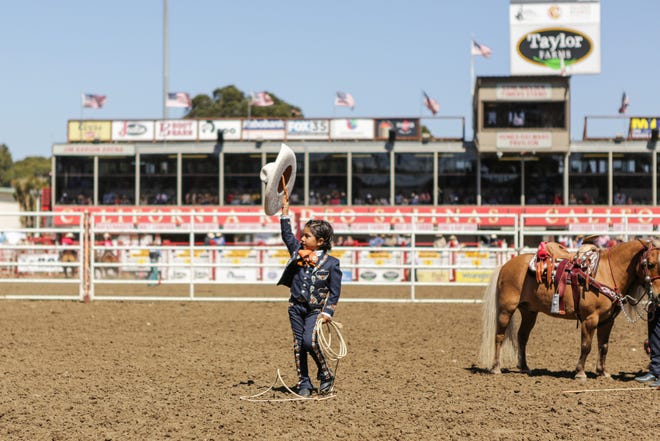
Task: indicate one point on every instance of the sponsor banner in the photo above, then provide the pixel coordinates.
(96, 131)
(307, 129)
(231, 218)
(546, 37)
(136, 260)
(208, 129)
(235, 258)
(425, 260)
(640, 127)
(183, 272)
(523, 140)
(176, 130)
(132, 130)
(274, 262)
(523, 92)
(389, 263)
(39, 263)
(258, 129)
(352, 128)
(94, 150)
(473, 276)
(475, 259)
(347, 259)
(404, 128)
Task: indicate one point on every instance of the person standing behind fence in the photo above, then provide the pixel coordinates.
(314, 279)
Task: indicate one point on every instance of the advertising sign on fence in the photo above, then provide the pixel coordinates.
(386, 266)
(427, 259)
(237, 268)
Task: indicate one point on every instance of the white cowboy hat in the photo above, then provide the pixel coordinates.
(271, 175)
(69, 235)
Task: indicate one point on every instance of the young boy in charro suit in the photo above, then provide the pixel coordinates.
(314, 278)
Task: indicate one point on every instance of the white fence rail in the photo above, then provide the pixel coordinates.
(175, 258)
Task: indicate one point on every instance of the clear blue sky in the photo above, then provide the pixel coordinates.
(383, 52)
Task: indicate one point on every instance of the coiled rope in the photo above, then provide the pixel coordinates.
(324, 331)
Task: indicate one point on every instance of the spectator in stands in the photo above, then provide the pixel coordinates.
(377, 240)
(68, 239)
(619, 198)
(453, 242)
(391, 240)
(349, 241)
(440, 241)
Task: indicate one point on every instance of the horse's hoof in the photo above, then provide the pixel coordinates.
(496, 371)
(581, 376)
(605, 375)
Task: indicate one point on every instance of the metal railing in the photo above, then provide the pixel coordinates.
(174, 258)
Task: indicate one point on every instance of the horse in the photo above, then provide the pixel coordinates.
(68, 257)
(107, 257)
(629, 267)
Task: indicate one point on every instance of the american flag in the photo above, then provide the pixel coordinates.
(261, 99)
(480, 49)
(178, 99)
(431, 104)
(345, 100)
(624, 103)
(93, 101)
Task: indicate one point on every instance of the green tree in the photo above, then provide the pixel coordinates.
(6, 163)
(32, 166)
(29, 176)
(231, 102)
(25, 190)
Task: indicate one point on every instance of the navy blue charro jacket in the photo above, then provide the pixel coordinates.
(315, 285)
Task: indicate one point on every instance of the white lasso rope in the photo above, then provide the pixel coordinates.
(324, 333)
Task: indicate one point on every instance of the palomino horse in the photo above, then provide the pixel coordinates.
(69, 257)
(107, 258)
(630, 267)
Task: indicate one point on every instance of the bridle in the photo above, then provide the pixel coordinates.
(644, 263)
(648, 281)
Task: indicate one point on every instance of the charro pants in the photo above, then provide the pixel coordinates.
(303, 319)
(654, 339)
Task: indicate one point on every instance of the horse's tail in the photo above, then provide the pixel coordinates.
(490, 312)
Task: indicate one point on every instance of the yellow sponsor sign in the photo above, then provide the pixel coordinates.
(90, 131)
(432, 275)
(473, 276)
(239, 253)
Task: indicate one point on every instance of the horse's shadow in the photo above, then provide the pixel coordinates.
(621, 376)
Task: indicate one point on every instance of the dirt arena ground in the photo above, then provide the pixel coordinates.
(176, 370)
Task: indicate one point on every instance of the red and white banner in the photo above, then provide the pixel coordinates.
(236, 218)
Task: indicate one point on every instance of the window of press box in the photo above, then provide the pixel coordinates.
(241, 178)
(524, 115)
(158, 175)
(200, 179)
(74, 182)
(117, 180)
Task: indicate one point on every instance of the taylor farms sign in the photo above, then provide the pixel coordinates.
(554, 48)
(554, 38)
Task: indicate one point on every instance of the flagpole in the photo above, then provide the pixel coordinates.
(334, 107)
(82, 109)
(471, 71)
(165, 60)
(421, 106)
